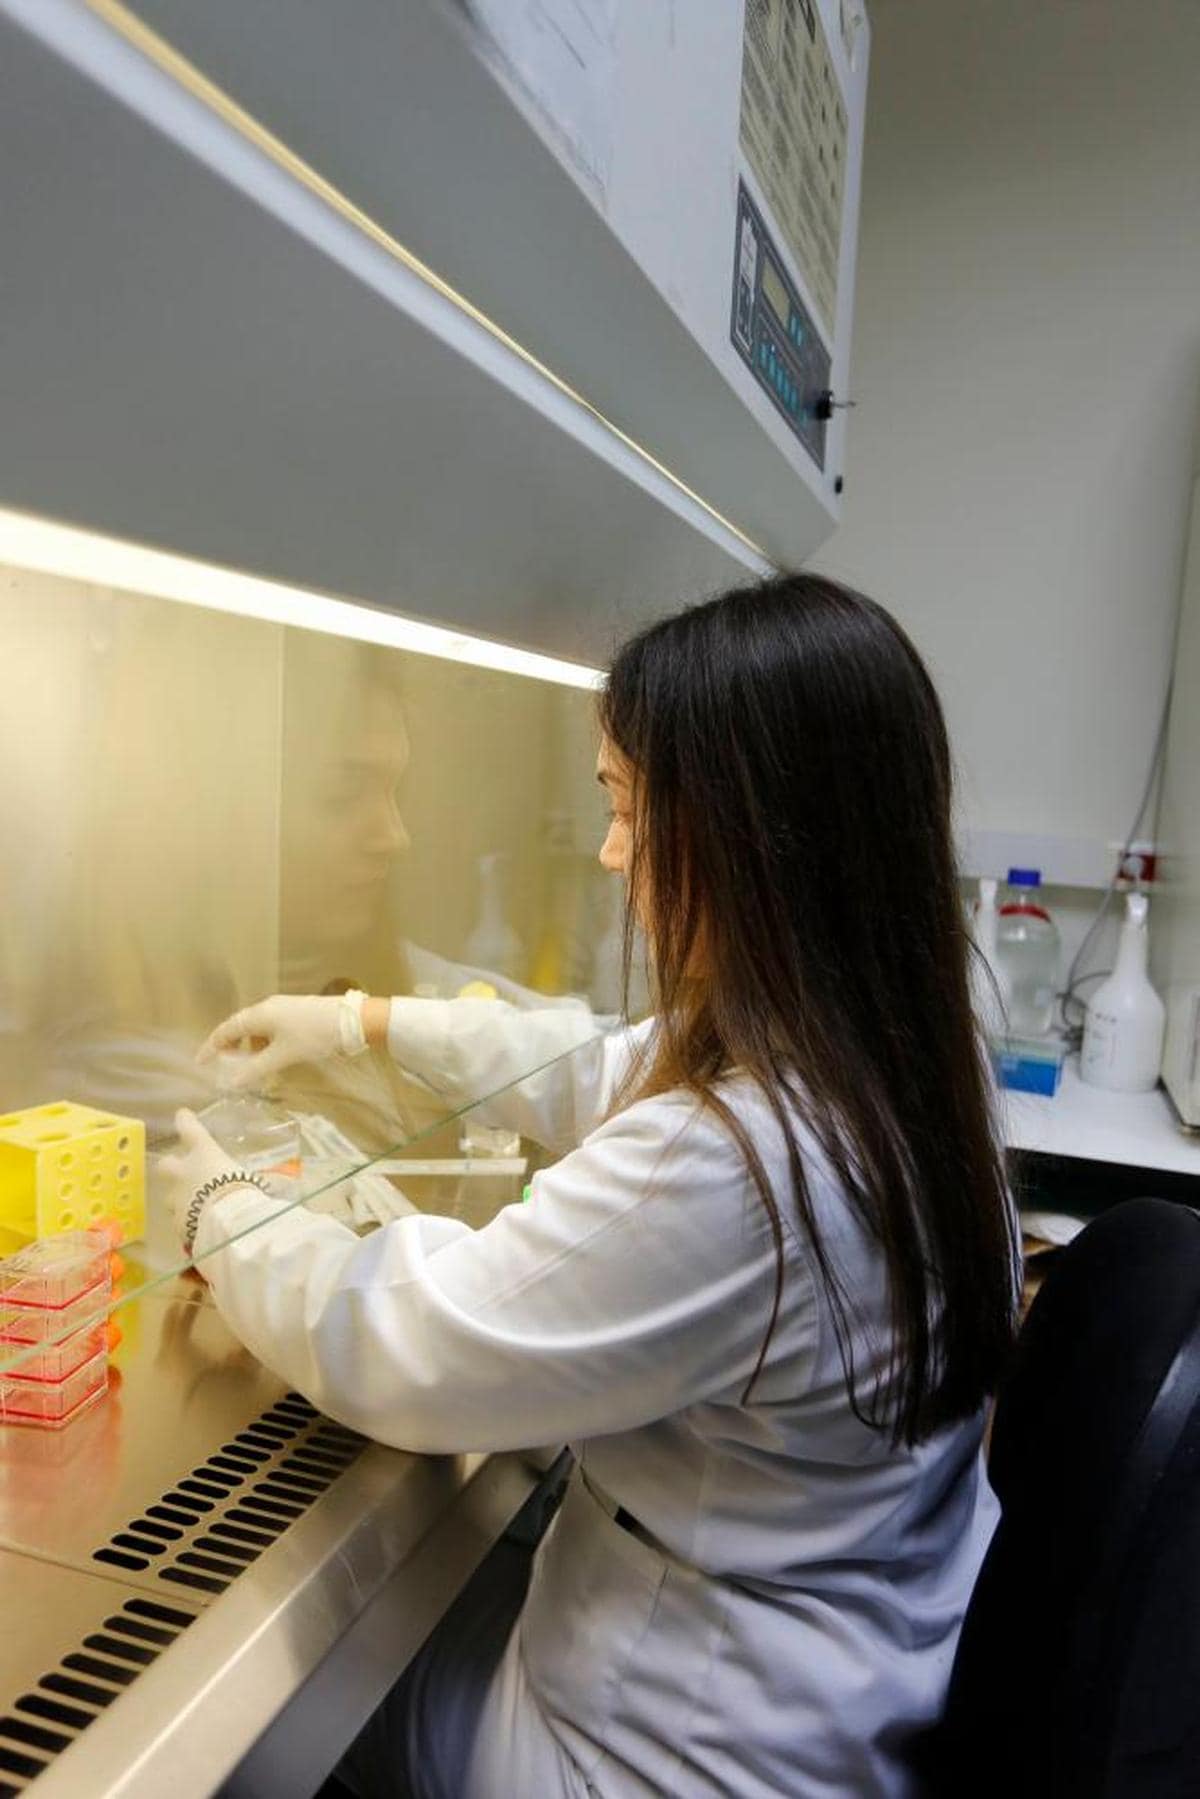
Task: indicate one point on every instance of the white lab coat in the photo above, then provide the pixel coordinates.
(787, 1612)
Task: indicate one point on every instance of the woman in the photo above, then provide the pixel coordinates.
(766, 1291)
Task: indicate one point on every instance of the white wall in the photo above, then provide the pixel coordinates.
(1026, 359)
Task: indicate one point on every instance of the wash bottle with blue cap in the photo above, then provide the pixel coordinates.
(1027, 952)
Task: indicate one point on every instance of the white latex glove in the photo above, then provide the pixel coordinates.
(286, 1029)
(198, 1160)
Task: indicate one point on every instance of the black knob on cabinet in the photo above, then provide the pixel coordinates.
(824, 406)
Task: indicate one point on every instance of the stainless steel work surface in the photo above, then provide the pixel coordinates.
(72, 1643)
(192, 1552)
(181, 1389)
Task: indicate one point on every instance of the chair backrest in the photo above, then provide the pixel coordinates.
(1078, 1670)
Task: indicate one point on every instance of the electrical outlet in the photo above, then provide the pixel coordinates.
(1138, 866)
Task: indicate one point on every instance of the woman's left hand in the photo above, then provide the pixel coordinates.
(198, 1160)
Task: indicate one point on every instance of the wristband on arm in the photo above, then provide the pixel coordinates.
(352, 1036)
(200, 1198)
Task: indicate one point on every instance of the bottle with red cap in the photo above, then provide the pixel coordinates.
(1027, 949)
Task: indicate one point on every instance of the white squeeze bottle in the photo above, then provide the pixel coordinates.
(1126, 1020)
(989, 994)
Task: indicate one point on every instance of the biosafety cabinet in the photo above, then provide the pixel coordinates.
(533, 318)
(367, 371)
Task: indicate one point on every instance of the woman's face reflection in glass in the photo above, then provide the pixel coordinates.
(346, 754)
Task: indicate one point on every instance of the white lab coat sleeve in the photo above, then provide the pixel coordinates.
(637, 1280)
(550, 1074)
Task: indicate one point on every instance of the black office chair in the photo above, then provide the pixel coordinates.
(1078, 1670)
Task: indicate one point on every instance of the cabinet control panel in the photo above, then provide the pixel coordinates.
(774, 333)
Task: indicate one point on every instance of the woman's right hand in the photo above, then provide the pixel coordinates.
(286, 1029)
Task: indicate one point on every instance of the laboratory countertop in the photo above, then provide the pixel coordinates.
(1135, 1130)
(203, 1576)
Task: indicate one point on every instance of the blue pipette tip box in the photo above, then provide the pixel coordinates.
(1029, 1064)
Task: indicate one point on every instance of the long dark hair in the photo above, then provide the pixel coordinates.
(792, 833)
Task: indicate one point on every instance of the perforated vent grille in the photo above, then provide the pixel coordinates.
(209, 1527)
(197, 1537)
(47, 1719)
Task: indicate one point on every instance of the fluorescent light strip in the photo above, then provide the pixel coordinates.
(53, 549)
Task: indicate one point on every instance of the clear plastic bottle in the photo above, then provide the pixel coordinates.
(493, 944)
(256, 1131)
(1027, 953)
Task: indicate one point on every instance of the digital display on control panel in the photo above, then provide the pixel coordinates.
(775, 291)
(773, 331)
